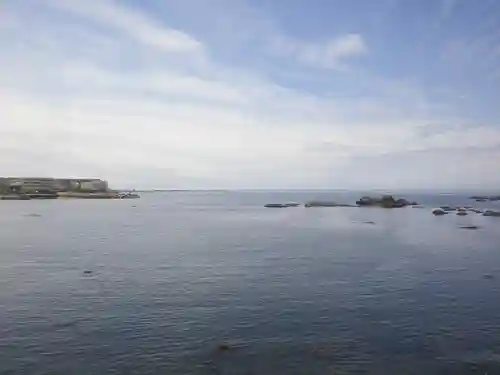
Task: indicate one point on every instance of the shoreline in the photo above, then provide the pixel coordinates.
(69, 195)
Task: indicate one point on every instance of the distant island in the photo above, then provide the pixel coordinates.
(26, 188)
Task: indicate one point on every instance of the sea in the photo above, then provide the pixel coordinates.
(211, 282)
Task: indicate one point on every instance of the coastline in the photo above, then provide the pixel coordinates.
(69, 195)
(80, 195)
(27, 188)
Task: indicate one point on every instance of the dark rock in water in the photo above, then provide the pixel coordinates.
(386, 201)
(127, 195)
(469, 227)
(488, 276)
(34, 215)
(282, 205)
(447, 208)
(462, 213)
(47, 195)
(439, 212)
(366, 201)
(67, 324)
(87, 272)
(491, 213)
(369, 222)
(275, 205)
(414, 204)
(223, 347)
(485, 198)
(326, 204)
(14, 197)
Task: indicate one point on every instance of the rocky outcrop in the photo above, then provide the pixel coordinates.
(485, 198)
(51, 195)
(81, 195)
(127, 195)
(276, 205)
(439, 212)
(471, 227)
(282, 205)
(14, 197)
(463, 211)
(386, 201)
(326, 204)
(447, 208)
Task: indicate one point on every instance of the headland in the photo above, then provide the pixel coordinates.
(27, 188)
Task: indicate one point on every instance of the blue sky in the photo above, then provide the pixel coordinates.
(253, 93)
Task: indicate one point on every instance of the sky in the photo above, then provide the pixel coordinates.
(254, 94)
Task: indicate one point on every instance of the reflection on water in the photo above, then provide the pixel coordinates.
(104, 287)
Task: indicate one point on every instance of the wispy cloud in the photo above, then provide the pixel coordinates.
(143, 28)
(331, 54)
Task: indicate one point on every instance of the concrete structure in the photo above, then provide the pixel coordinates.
(93, 185)
(81, 184)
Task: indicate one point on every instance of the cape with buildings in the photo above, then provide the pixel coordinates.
(25, 188)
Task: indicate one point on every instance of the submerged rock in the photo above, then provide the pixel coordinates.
(485, 198)
(275, 205)
(14, 197)
(326, 204)
(282, 205)
(438, 212)
(447, 208)
(469, 227)
(491, 213)
(223, 347)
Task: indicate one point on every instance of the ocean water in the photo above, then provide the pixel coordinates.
(155, 285)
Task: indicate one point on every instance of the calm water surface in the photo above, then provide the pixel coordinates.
(293, 291)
